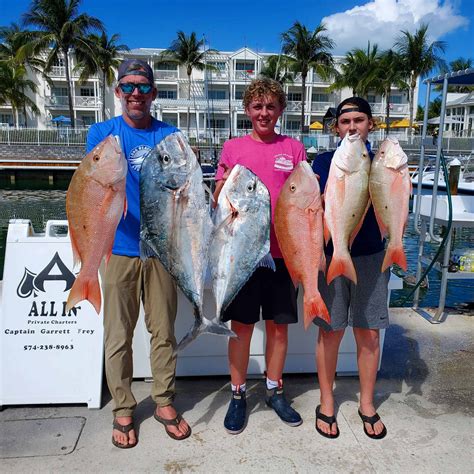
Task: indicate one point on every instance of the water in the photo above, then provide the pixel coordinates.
(41, 205)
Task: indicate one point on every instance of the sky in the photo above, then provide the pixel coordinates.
(258, 24)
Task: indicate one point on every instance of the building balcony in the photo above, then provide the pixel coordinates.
(78, 101)
(321, 106)
(60, 71)
(245, 75)
(199, 104)
(166, 75)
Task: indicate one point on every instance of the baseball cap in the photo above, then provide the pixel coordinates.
(135, 67)
(359, 105)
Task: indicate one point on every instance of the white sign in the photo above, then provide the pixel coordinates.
(48, 354)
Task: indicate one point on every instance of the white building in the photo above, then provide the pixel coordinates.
(460, 114)
(215, 103)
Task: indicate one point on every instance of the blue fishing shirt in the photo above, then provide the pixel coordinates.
(135, 143)
(369, 240)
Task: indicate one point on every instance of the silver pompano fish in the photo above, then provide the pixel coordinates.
(175, 222)
(390, 189)
(346, 202)
(241, 237)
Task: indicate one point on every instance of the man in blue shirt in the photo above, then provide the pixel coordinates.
(127, 280)
(362, 306)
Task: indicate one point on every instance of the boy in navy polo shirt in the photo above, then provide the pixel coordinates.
(362, 306)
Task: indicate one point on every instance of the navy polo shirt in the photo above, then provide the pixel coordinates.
(369, 240)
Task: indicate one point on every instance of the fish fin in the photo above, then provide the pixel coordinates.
(76, 258)
(204, 326)
(341, 265)
(224, 223)
(146, 251)
(382, 227)
(394, 254)
(326, 232)
(84, 289)
(267, 262)
(315, 308)
(359, 224)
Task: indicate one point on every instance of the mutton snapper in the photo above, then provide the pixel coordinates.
(346, 202)
(241, 236)
(299, 229)
(175, 224)
(95, 202)
(390, 189)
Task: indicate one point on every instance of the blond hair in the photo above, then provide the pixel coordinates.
(261, 87)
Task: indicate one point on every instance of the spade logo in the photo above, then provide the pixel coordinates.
(33, 283)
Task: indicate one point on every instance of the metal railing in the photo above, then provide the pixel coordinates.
(33, 136)
(78, 101)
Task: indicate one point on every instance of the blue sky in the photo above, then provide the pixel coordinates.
(258, 24)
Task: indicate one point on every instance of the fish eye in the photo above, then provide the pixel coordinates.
(96, 157)
(250, 186)
(292, 187)
(166, 159)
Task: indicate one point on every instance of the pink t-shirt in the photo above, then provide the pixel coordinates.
(271, 162)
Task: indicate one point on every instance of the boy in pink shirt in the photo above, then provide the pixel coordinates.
(272, 158)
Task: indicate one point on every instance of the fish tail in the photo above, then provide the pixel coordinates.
(85, 289)
(315, 308)
(204, 326)
(394, 254)
(341, 265)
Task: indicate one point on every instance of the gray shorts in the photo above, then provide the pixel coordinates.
(363, 305)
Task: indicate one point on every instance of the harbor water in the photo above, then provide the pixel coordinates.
(41, 205)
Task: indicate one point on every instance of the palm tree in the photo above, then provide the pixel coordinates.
(359, 71)
(419, 57)
(389, 72)
(104, 60)
(189, 52)
(62, 29)
(308, 49)
(278, 67)
(13, 83)
(12, 38)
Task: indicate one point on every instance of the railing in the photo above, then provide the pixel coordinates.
(321, 106)
(60, 71)
(244, 75)
(68, 136)
(78, 101)
(166, 75)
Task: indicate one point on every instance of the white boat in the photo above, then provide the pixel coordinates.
(465, 183)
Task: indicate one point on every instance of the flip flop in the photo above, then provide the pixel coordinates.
(124, 429)
(330, 420)
(173, 422)
(371, 420)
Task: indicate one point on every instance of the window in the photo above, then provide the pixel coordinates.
(294, 96)
(86, 92)
(170, 119)
(293, 125)
(87, 120)
(371, 99)
(167, 94)
(59, 92)
(217, 123)
(318, 97)
(221, 66)
(448, 112)
(395, 99)
(166, 66)
(239, 95)
(6, 118)
(58, 61)
(244, 124)
(471, 110)
(245, 66)
(216, 94)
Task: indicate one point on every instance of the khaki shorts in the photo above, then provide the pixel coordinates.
(363, 305)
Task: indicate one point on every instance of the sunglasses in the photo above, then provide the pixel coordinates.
(129, 87)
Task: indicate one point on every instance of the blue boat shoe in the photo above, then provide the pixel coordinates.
(234, 421)
(276, 399)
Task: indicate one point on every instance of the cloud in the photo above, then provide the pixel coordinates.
(381, 21)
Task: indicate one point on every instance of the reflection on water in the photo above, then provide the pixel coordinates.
(39, 206)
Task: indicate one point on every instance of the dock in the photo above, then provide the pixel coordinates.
(424, 395)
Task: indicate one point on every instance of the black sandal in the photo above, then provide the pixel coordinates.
(172, 422)
(371, 420)
(330, 420)
(124, 429)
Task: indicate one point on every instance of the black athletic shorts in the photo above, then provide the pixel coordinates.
(271, 291)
